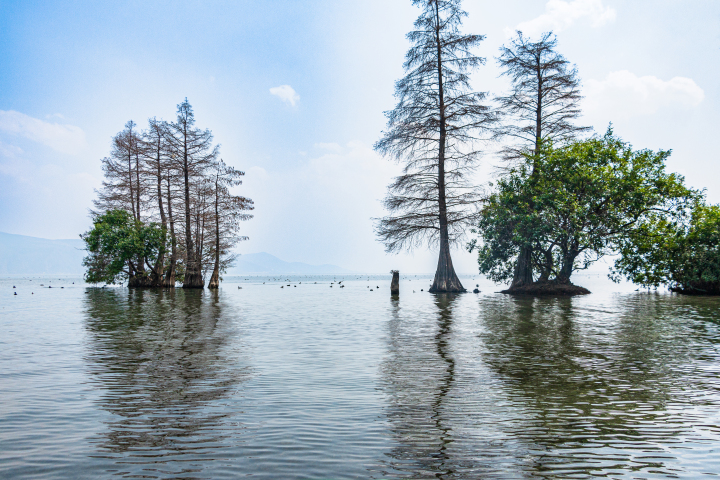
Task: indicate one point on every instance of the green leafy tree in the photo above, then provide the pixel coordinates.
(116, 246)
(682, 252)
(591, 195)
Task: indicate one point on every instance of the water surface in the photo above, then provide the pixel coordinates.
(316, 381)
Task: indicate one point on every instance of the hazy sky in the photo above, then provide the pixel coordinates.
(295, 93)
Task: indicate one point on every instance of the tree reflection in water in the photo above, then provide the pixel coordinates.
(417, 377)
(163, 360)
(503, 387)
(601, 390)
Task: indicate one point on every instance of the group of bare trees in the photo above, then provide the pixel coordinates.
(171, 175)
(440, 124)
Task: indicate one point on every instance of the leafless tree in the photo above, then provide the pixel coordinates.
(433, 130)
(157, 159)
(195, 154)
(539, 109)
(228, 211)
(124, 186)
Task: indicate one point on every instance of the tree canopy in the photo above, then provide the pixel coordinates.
(591, 196)
(681, 251)
(116, 243)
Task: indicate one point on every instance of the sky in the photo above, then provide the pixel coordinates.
(295, 93)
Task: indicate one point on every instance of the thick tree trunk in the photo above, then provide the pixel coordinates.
(523, 268)
(445, 278)
(446, 281)
(566, 270)
(215, 278)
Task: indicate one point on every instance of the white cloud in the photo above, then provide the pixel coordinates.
(63, 138)
(9, 151)
(286, 93)
(560, 15)
(332, 147)
(624, 94)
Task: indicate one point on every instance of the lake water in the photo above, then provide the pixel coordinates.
(315, 381)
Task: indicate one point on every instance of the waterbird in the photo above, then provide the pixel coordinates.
(15, 293)
(476, 291)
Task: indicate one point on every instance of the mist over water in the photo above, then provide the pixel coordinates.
(317, 381)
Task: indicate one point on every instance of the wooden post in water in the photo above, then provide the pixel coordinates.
(395, 284)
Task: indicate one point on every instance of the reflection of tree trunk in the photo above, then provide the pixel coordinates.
(418, 378)
(441, 338)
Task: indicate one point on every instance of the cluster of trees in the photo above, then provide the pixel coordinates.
(563, 199)
(165, 212)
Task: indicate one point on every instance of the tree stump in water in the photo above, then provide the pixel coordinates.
(395, 284)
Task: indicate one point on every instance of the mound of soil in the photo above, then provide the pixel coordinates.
(547, 289)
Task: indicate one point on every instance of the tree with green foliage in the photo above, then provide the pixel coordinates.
(117, 245)
(591, 195)
(682, 252)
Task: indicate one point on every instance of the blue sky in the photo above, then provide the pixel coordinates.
(74, 72)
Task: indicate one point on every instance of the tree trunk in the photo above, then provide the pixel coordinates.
(170, 272)
(395, 284)
(566, 270)
(215, 278)
(158, 272)
(523, 268)
(193, 274)
(445, 278)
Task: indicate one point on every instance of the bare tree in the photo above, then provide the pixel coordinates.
(433, 130)
(157, 160)
(124, 187)
(540, 109)
(194, 153)
(228, 212)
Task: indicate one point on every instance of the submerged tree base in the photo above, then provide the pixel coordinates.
(706, 289)
(547, 288)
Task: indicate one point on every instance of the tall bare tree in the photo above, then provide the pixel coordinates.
(157, 160)
(124, 186)
(228, 211)
(433, 130)
(539, 109)
(194, 153)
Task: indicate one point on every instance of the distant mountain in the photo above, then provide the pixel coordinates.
(266, 264)
(23, 255)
